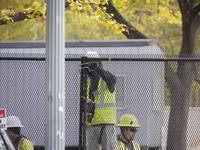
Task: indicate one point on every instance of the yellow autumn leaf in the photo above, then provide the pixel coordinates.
(118, 31)
(35, 4)
(30, 16)
(44, 27)
(114, 1)
(103, 3)
(148, 1)
(6, 18)
(8, 21)
(5, 11)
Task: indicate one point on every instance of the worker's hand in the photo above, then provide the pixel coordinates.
(92, 67)
(84, 65)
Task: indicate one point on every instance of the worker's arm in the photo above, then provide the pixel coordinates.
(108, 77)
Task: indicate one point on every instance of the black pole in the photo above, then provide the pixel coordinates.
(83, 99)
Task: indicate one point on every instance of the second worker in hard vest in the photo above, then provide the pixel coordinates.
(101, 119)
(19, 141)
(128, 125)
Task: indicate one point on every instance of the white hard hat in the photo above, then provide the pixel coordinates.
(13, 121)
(92, 54)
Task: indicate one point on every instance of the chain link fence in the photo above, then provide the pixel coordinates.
(141, 90)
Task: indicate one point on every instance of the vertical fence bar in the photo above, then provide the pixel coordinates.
(83, 99)
(55, 81)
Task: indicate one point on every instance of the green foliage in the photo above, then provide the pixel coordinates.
(78, 27)
(157, 19)
(6, 17)
(93, 11)
(160, 20)
(37, 10)
(26, 30)
(18, 5)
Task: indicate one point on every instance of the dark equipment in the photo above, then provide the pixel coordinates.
(90, 110)
(83, 104)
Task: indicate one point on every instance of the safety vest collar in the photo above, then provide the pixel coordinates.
(21, 143)
(121, 146)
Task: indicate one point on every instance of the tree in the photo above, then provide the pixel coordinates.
(181, 81)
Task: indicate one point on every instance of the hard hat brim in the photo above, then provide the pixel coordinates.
(18, 126)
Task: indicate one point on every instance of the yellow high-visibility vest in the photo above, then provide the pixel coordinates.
(105, 110)
(25, 144)
(121, 146)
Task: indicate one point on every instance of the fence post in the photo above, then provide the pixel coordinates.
(55, 76)
(83, 99)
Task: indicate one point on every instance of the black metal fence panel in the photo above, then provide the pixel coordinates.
(140, 90)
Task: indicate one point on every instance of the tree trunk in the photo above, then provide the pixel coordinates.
(181, 90)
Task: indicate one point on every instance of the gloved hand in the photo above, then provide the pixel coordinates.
(85, 65)
(92, 66)
(90, 110)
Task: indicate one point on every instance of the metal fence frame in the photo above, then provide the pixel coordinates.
(164, 59)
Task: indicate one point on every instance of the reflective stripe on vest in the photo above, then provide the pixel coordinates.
(121, 146)
(102, 103)
(21, 143)
(136, 145)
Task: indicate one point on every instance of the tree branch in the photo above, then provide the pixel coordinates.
(192, 3)
(19, 16)
(131, 33)
(195, 11)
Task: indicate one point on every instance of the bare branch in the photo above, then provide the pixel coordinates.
(131, 33)
(192, 3)
(195, 11)
(19, 16)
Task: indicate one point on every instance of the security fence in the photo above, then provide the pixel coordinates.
(141, 90)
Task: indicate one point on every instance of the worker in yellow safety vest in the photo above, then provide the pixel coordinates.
(128, 125)
(19, 141)
(101, 110)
